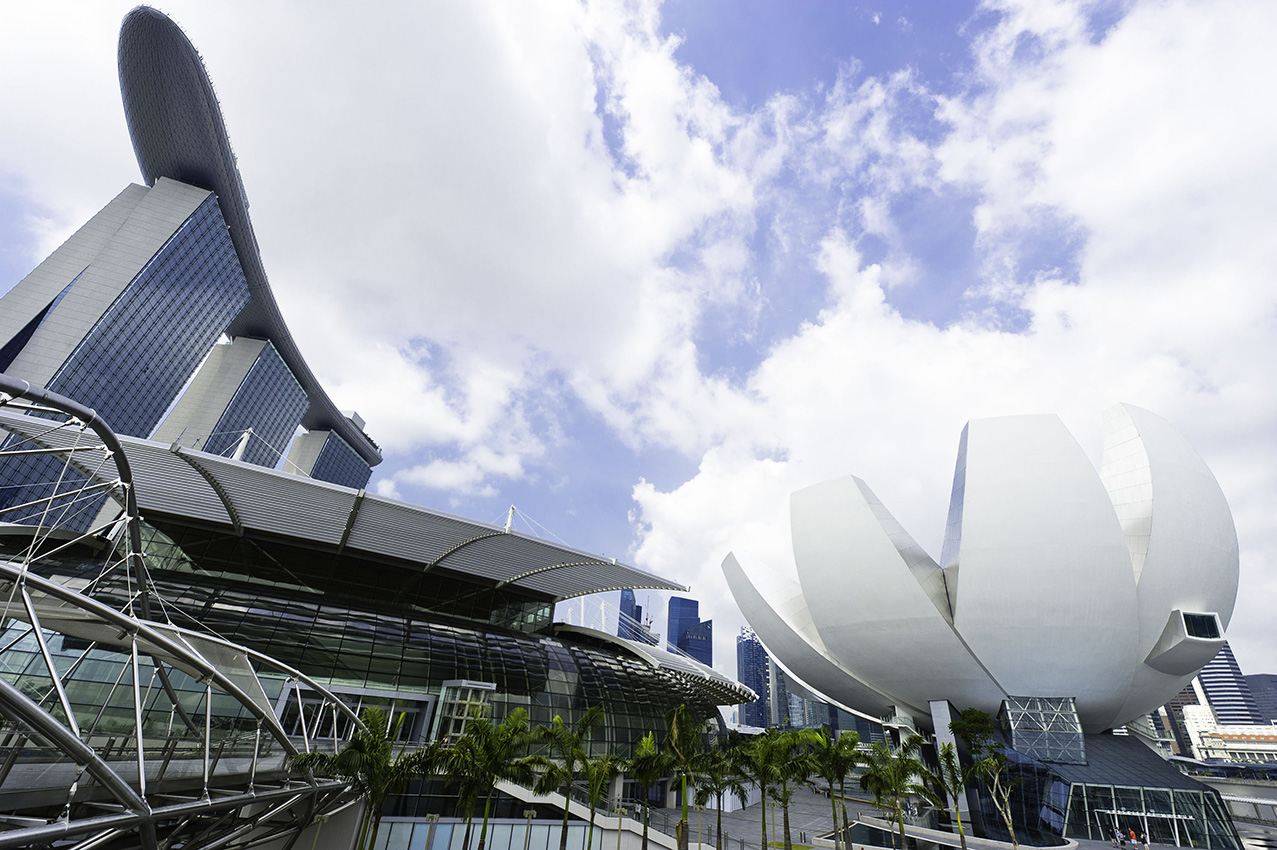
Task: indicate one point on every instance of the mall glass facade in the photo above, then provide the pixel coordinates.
(1122, 785)
(364, 626)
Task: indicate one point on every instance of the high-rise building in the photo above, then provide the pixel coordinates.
(686, 632)
(630, 624)
(698, 641)
(1172, 716)
(752, 670)
(157, 313)
(1227, 692)
(629, 613)
(1263, 687)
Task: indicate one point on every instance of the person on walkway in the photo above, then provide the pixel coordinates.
(1144, 838)
(1135, 842)
(1121, 836)
(1113, 837)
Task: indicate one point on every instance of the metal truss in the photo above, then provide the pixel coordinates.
(1045, 728)
(117, 727)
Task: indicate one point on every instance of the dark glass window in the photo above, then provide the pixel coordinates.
(271, 402)
(338, 463)
(135, 360)
(1201, 626)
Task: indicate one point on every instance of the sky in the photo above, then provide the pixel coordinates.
(643, 269)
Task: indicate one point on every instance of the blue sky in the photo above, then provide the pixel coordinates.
(643, 269)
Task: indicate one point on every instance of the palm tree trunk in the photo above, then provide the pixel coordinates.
(563, 834)
(646, 812)
(762, 808)
(718, 841)
(833, 806)
(842, 792)
(784, 807)
(483, 833)
(957, 814)
(683, 836)
(465, 841)
(376, 825)
(589, 835)
(900, 819)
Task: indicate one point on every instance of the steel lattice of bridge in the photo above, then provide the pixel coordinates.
(117, 727)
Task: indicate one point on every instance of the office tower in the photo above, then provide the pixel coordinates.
(1263, 687)
(752, 670)
(1172, 716)
(687, 633)
(778, 697)
(1227, 692)
(629, 613)
(697, 640)
(630, 624)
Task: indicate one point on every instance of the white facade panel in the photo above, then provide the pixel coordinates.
(803, 659)
(1180, 533)
(867, 602)
(1047, 598)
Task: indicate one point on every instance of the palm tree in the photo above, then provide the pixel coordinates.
(835, 758)
(683, 743)
(599, 773)
(567, 760)
(793, 764)
(716, 776)
(890, 777)
(487, 753)
(953, 777)
(756, 762)
(369, 762)
(647, 767)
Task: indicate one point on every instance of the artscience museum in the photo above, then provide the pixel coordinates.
(1066, 602)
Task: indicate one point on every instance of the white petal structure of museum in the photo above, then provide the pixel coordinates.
(1112, 589)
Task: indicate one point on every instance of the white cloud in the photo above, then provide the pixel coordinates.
(1150, 143)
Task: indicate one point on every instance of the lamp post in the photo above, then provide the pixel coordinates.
(433, 820)
(527, 834)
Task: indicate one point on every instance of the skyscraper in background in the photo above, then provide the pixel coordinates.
(630, 614)
(685, 631)
(630, 624)
(1227, 692)
(1263, 687)
(752, 670)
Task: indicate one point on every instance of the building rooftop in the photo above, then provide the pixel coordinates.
(177, 129)
(176, 481)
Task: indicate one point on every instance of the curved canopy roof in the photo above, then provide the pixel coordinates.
(175, 481)
(725, 690)
(177, 130)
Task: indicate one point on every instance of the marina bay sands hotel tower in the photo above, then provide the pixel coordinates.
(157, 312)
